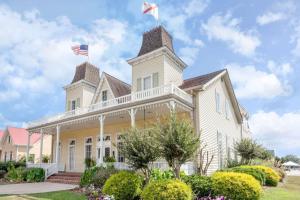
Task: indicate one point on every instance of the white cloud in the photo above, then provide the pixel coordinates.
(279, 69)
(279, 11)
(189, 54)
(5, 122)
(270, 17)
(226, 29)
(279, 132)
(35, 54)
(252, 83)
(195, 7)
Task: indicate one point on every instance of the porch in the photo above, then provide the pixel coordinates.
(94, 132)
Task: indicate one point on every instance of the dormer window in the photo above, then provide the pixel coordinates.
(104, 95)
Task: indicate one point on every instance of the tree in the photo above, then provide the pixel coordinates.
(264, 154)
(204, 157)
(177, 141)
(291, 157)
(140, 149)
(248, 149)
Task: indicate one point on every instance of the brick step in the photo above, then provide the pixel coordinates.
(74, 174)
(73, 182)
(65, 177)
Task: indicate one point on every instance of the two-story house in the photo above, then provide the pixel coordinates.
(99, 107)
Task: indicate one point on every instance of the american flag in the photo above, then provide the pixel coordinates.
(81, 49)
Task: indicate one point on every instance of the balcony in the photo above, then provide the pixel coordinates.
(135, 97)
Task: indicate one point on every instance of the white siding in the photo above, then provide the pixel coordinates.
(173, 74)
(211, 122)
(104, 86)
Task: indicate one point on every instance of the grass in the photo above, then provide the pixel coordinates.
(288, 190)
(61, 195)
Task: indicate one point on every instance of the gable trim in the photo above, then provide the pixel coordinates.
(98, 91)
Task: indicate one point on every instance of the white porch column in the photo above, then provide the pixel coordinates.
(57, 145)
(101, 120)
(27, 150)
(132, 113)
(41, 145)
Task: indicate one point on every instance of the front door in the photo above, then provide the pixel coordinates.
(72, 155)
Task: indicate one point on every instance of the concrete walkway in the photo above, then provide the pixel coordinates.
(31, 188)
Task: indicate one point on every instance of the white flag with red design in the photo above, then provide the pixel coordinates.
(151, 9)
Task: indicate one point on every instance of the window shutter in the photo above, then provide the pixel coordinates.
(78, 103)
(139, 84)
(155, 79)
(69, 106)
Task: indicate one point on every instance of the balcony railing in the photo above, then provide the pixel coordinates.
(130, 98)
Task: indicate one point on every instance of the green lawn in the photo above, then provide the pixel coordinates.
(62, 195)
(288, 190)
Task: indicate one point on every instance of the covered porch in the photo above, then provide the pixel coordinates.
(97, 136)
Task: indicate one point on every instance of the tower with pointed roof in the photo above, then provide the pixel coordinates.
(83, 86)
(156, 63)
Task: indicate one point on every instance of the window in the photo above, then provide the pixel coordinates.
(139, 84)
(220, 150)
(218, 102)
(106, 152)
(78, 103)
(147, 83)
(120, 156)
(5, 156)
(104, 95)
(155, 79)
(88, 147)
(73, 105)
(11, 156)
(227, 109)
(9, 139)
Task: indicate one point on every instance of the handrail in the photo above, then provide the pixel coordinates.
(49, 168)
(133, 97)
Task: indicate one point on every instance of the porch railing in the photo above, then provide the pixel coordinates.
(50, 168)
(133, 97)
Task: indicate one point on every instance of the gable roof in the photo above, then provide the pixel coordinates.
(155, 39)
(200, 80)
(88, 72)
(19, 136)
(118, 87)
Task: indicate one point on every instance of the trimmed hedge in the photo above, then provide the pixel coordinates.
(272, 177)
(236, 186)
(258, 174)
(201, 185)
(123, 186)
(167, 190)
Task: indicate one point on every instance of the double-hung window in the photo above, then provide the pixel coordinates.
(147, 83)
(227, 109)
(88, 147)
(104, 95)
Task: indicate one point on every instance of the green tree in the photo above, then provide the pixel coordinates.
(140, 149)
(264, 154)
(248, 149)
(177, 141)
(291, 157)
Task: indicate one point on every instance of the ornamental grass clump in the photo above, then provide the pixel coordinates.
(167, 190)
(236, 186)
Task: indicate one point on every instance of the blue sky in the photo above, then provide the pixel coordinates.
(259, 43)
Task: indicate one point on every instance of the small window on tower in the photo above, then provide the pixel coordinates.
(155, 79)
(73, 105)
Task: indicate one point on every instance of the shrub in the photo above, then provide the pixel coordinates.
(272, 177)
(89, 162)
(96, 176)
(5, 165)
(101, 175)
(258, 174)
(16, 174)
(233, 163)
(109, 159)
(166, 190)
(237, 186)
(157, 174)
(35, 175)
(123, 186)
(201, 185)
(45, 158)
(2, 173)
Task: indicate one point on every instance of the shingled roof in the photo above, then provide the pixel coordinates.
(200, 80)
(155, 39)
(118, 87)
(88, 72)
